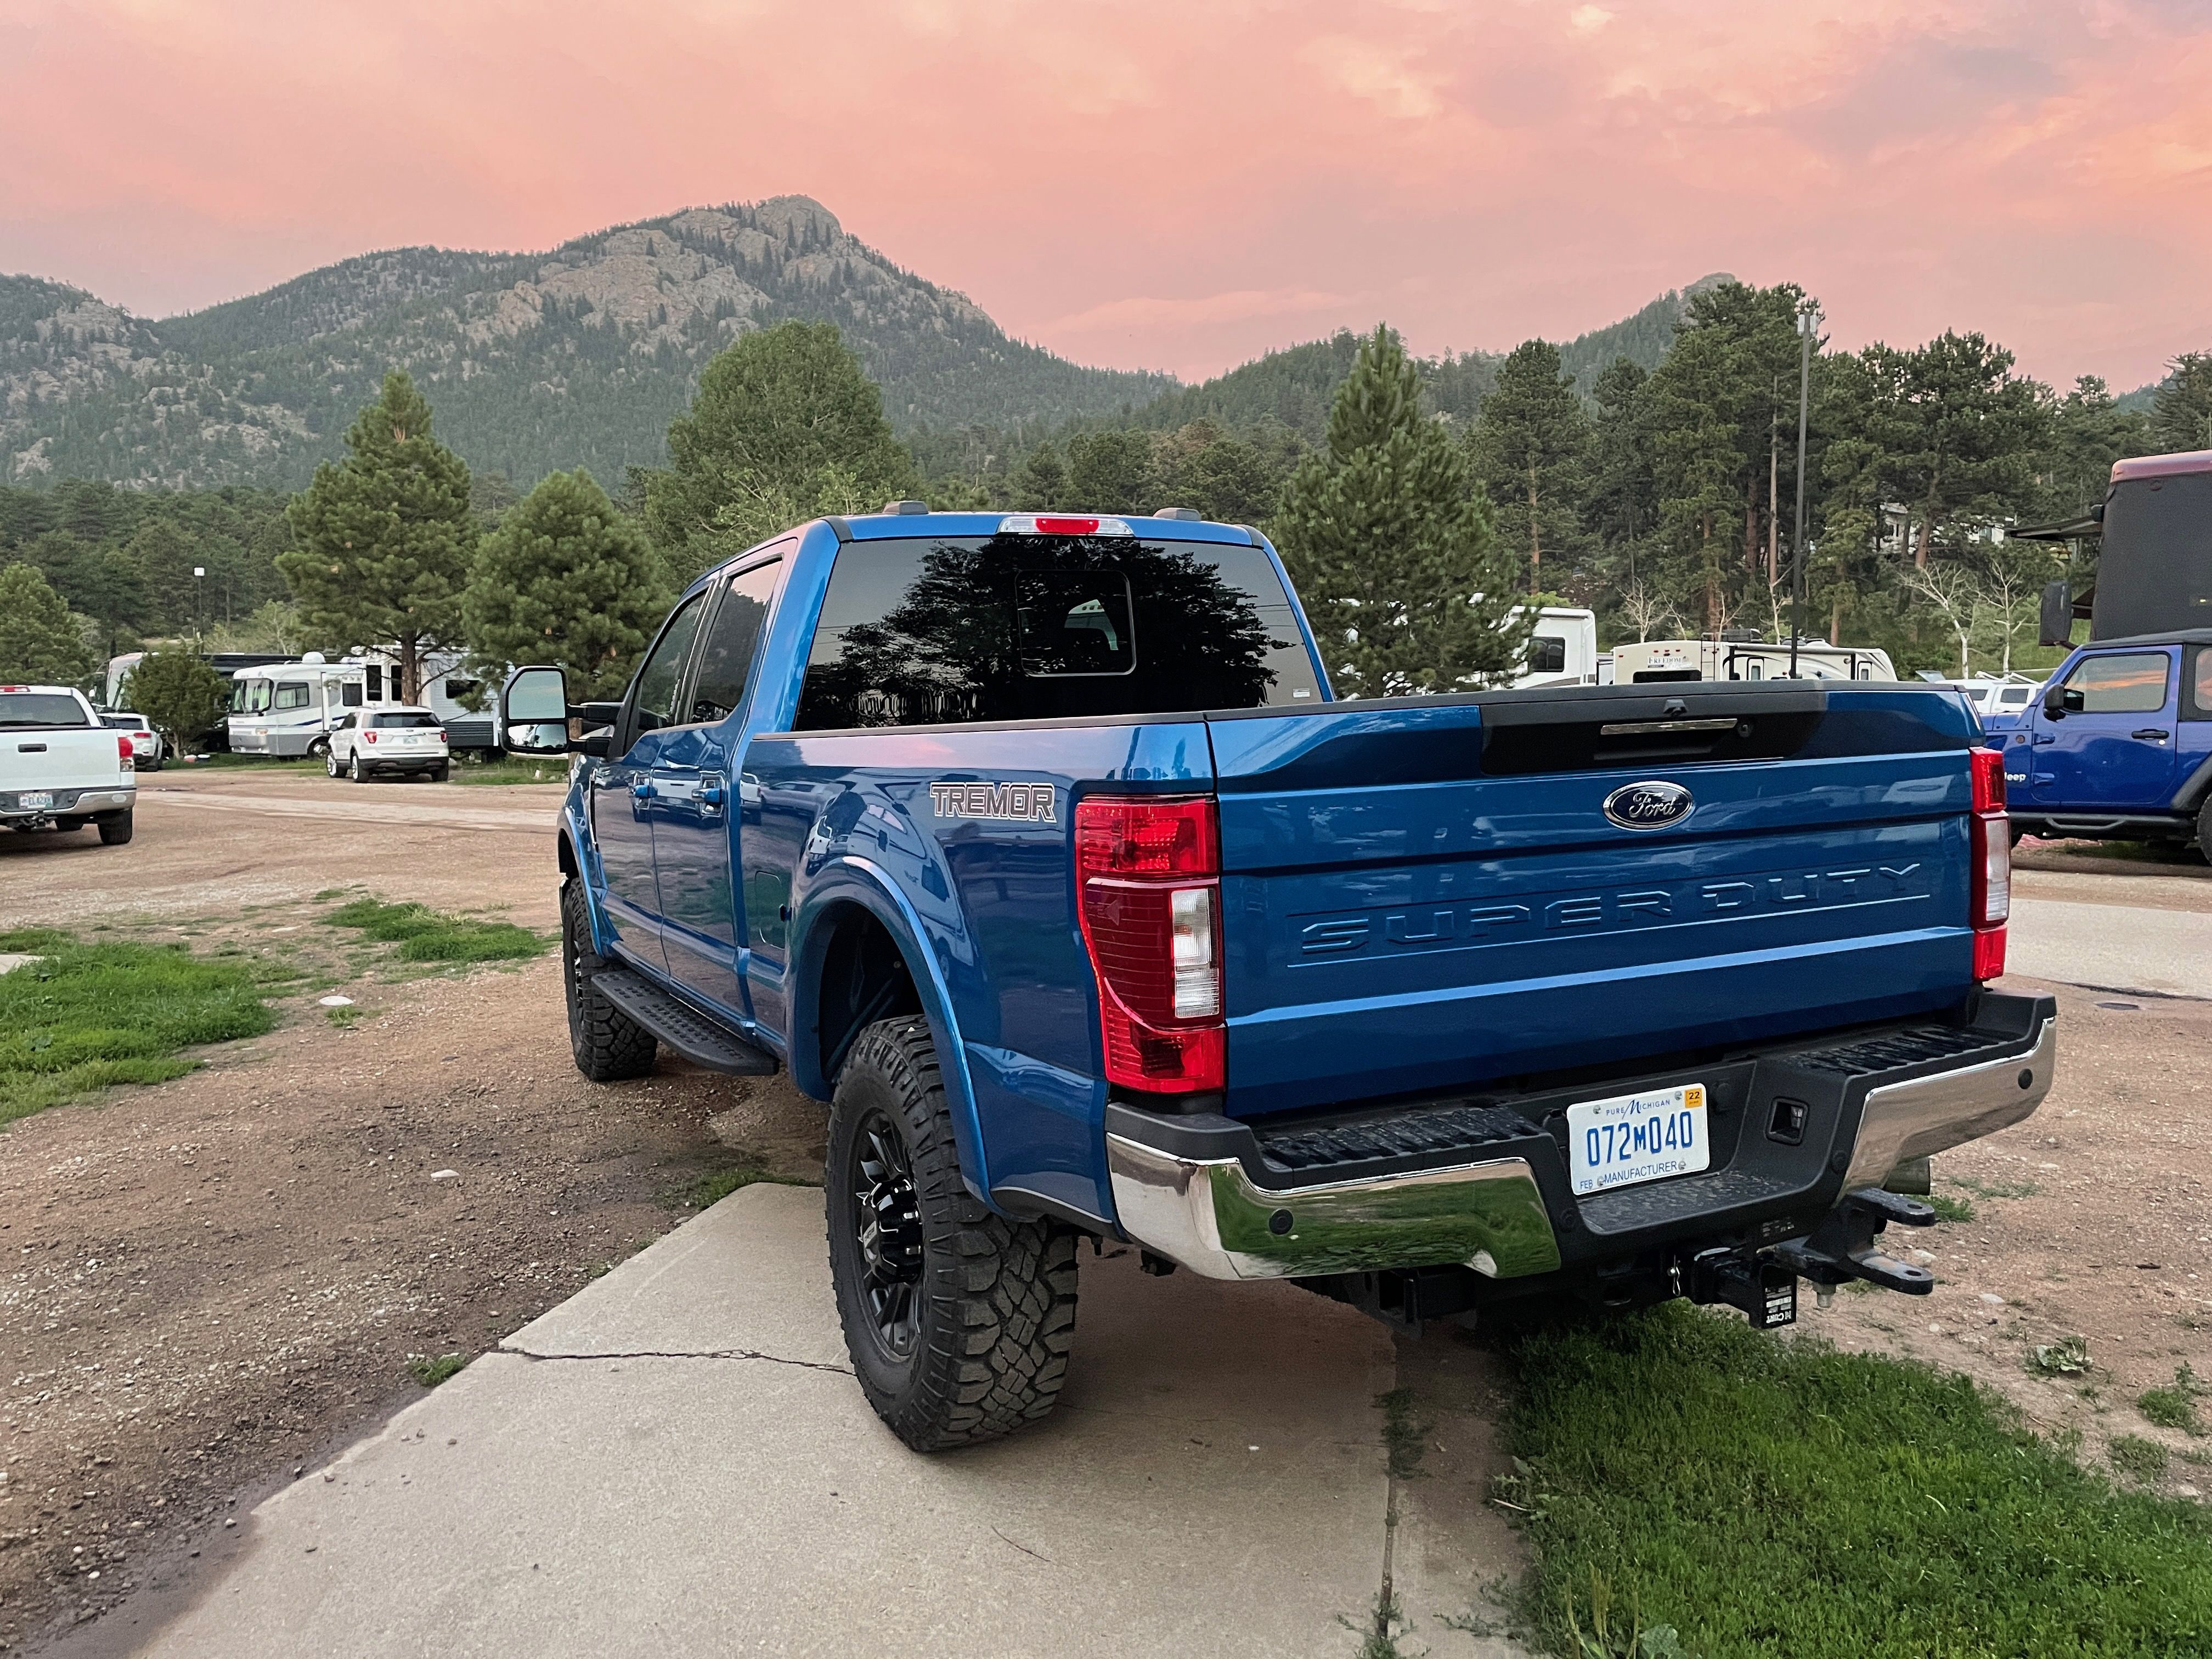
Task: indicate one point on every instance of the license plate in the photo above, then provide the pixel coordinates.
(32, 801)
(1633, 1138)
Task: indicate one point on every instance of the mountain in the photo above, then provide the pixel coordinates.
(534, 361)
(1642, 337)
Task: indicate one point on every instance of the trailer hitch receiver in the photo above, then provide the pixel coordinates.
(1843, 1247)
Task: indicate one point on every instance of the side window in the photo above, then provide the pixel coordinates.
(376, 682)
(2198, 679)
(2124, 682)
(1547, 654)
(733, 639)
(292, 696)
(653, 699)
(349, 694)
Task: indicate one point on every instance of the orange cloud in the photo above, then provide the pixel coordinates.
(1173, 184)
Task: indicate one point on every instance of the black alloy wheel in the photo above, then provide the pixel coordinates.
(887, 1227)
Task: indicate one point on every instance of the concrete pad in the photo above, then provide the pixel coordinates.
(1212, 1482)
(2116, 947)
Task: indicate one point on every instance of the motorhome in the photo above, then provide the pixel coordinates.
(1745, 657)
(1563, 649)
(287, 710)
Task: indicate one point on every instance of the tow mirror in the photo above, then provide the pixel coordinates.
(2057, 617)
(533, 712)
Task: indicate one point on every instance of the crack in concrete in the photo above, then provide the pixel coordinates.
(691, 1353)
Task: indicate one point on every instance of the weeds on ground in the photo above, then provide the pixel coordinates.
(1950, 1209)
(1760, 1496)
(426, 935)
(2138, 1458)
(1378, 1634)
(87, 1015)
(510, 769)
(1995, 1188)
(2175, 1407)
(713, 1188)
(1405, 1439)
(431, 1369)
(2067, 1357)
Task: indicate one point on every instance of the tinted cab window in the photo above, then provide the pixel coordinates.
(2123, 683)
(947, 630)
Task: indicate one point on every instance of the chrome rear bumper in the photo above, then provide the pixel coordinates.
(1218, 1213)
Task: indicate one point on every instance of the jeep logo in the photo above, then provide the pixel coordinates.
(1649, 805)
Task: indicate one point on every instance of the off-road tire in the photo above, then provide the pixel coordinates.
(2204, 830)
(114, 832)
(994, 1303)
(608, 1044)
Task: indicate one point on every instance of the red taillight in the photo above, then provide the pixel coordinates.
(1990, 839)
(142, 737)
(1155, 938)
(368, 737)
(123, 750)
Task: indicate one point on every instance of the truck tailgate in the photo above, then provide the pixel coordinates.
(1424, 895)
(51, 757)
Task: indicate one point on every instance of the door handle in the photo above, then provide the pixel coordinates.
(2042, 737)
(710, 794)
(643, 791)
(2149, 734)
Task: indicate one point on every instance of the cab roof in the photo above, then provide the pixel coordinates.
(893, 527)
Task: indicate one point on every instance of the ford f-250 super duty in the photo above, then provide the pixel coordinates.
(1038, 847)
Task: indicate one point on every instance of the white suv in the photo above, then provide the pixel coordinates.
(407, 741)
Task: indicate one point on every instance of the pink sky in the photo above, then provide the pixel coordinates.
(1169, 183)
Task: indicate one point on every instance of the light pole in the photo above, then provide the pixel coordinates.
(1808, 325)
(199, 604)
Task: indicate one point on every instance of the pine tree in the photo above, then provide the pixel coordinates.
(785, 426)
(1531, 451)
(181, 696)
(2181, 411)
(41, 643)
(1041, 481)
(384, 537)
(566, 579)
(1390, 544)
(1111, 472)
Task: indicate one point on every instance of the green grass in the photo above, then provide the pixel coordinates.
(91, 1015)
(431, 1369)
(2136, 1458)
(1784, 1500)
(2067, 1357)
(223, 760)
(426, 935)
(1950, 1209)
(713, 1188)
(2175, 1407)
(512, 769)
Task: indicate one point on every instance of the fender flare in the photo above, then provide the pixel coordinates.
(851, 880)
(570, 844)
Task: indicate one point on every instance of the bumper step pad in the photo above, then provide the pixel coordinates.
(700, 1039)
(1436, 1132)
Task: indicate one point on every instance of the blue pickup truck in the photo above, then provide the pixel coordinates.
(2120, 745)
(1038, 849)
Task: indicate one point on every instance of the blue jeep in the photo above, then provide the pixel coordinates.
(2120, 747)
(1038, 849)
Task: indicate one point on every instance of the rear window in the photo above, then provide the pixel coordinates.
(404, 722)
(948, 631)
(41, 709)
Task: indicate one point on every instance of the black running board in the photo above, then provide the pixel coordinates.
(699, 1038)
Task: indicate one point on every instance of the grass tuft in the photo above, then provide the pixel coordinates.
(2067, 1357)
(1405, 1437)
(1762, 1497)
(2175, 1407)
(89, 1016)
(1950, 1209)
(712, 1189)
(426, 935)
(431, 1369)
(2138, 1458)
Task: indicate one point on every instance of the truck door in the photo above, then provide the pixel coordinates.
(2113, 747)
(621, 788)
(694, 786)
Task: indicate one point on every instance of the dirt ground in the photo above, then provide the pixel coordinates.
(202, 1283)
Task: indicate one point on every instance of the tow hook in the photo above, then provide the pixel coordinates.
(1842, 1247)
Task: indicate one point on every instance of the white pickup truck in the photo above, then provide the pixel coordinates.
(60, 768)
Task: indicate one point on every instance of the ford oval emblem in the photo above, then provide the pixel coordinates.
(1652, 805)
